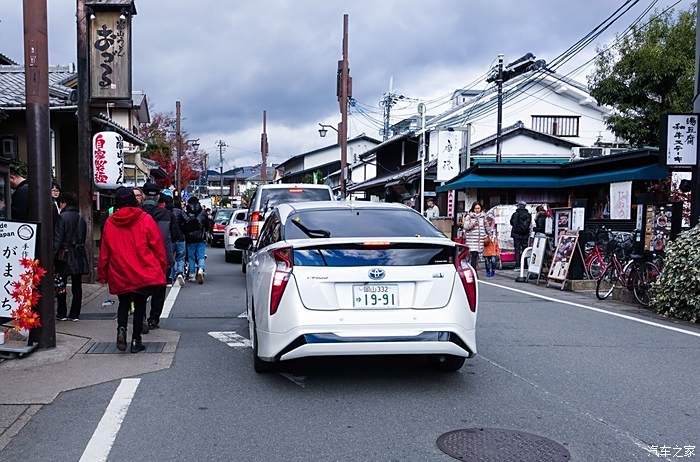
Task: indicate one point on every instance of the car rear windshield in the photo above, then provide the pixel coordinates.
(359, 222)
(223, 216)
(356, 255)
(272, 197)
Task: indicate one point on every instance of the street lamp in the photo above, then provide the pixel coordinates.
(323, 130)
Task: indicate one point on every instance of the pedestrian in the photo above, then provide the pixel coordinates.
(178, 237)
(475, 233)
(138, 193)
(432, 211)
(521, 223)
(132, 262)
(55, 193)
(491, 247)
(20, 195)
(540, 219)
(154, 205)
(70, 233)
(196, 227)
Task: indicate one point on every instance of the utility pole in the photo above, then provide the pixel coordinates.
(499, 123)
(421, 111)
(178, 144)
(36, 80)
(221, 145)
(344, 93)
(264, 150)
(85, 182)
(387, 102)
(695, 191)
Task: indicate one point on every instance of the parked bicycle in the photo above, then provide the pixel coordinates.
(636, 275)
(596, 258)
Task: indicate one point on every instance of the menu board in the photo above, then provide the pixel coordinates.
(561, 261)
(659, 223)
(539, 245)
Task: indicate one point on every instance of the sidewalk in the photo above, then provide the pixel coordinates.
(506, 278)
(36, 380)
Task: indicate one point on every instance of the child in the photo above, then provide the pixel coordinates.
(491, 248)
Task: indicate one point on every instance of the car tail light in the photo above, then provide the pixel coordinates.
(218, 227)
(283, 268)
(376, 244)
(255, 222)
(467, 276)
(295, 190)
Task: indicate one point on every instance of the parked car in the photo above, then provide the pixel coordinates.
(268, 196)
(237, 227)
(364, 278)
(219, 221)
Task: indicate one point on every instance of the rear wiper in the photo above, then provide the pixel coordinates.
(312, 233)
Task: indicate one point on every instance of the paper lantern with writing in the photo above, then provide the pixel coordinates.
(108, 160)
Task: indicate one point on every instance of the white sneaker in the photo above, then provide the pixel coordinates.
(180, 280)
(200, 276)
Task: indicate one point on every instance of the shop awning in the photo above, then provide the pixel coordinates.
(481, 180)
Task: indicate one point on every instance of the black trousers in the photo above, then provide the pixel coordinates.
(520, 244)
(125, 301)
(474, 259)
(157, 302)
(76, 291)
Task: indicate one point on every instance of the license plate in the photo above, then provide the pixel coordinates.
(376, 296)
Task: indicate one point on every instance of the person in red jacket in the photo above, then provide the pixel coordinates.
(132, 262)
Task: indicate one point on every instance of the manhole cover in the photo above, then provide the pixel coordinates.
(499, 445)
(106, 348)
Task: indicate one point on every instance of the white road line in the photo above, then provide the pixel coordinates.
(598, 310)
(231, 339)
(243, 315)
(100, 445)
(170, 301)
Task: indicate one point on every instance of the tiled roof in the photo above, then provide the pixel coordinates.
(12, 92)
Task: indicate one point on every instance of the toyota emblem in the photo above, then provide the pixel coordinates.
(376, 274)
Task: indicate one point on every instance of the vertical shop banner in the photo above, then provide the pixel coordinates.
(451, 203)
(110, 56)
(449, 144)
(681, 140)
(18, 241)
(621, 200)
(108, 160)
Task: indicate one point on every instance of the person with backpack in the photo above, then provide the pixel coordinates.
(154, 205)
(177, 234)
(132, 261)
(70, 232)
(521, 223)
(196, 227)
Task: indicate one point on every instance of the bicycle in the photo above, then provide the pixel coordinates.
(596, 261)
(636, 275)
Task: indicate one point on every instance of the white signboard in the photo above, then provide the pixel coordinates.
(539, 245)
(681, 140)
(451, 203)
(17, 241)
(108, 160)
(621, 200)
(578, 216)
(449, 144)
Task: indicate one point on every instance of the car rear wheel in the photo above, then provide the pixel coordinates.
(449, 363)
(259, 365)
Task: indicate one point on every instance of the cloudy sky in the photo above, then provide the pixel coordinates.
(228, 60)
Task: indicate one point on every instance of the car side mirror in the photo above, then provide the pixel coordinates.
(243, 243)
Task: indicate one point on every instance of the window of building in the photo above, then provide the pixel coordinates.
(8, 146)
(556, 125)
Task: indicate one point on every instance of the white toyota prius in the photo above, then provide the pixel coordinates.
(358, 278)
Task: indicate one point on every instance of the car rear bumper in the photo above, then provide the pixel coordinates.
(428, 339)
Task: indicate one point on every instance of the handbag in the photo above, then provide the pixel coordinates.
(62, 255)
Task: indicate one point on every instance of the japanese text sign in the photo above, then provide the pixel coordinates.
(110, 56)
(681, 139)
(17, 241)
(449, 144)
(108, 160)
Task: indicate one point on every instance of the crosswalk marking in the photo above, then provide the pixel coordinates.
(231, 339)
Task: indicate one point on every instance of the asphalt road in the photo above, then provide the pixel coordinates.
(602, 386)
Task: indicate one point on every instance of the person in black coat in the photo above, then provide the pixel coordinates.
(20, 195)
(70, 234)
